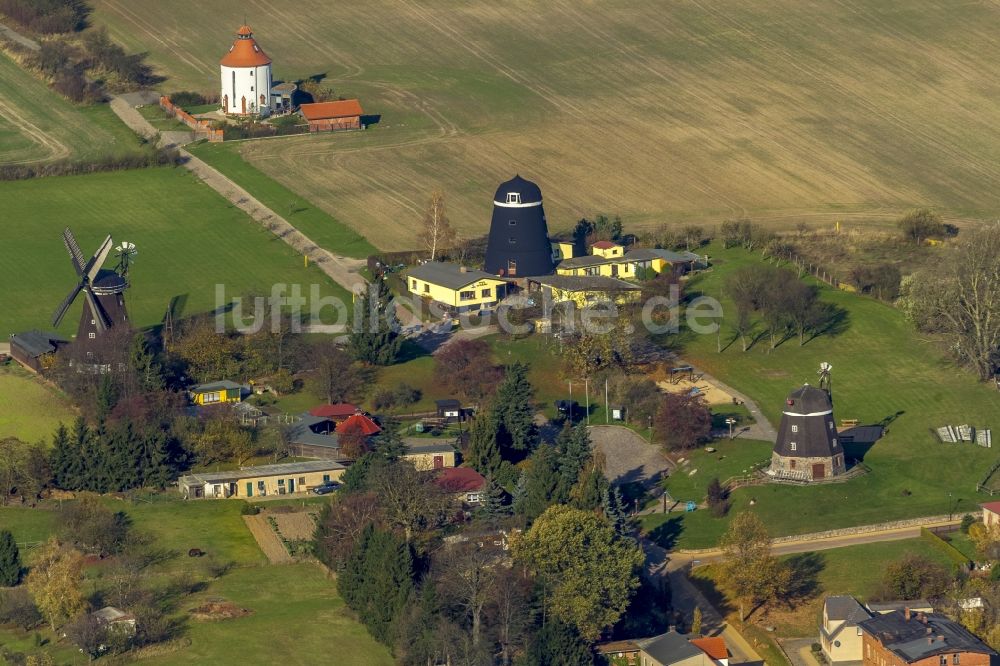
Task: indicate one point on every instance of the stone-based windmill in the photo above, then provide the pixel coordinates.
(103, 289)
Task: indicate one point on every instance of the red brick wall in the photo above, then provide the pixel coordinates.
(875, 654)
(202, 128)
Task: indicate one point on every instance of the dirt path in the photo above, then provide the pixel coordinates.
(18, 38)
(268, 541)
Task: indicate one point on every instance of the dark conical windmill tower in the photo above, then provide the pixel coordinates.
(104, 289)
(519, 237)
(807, 448)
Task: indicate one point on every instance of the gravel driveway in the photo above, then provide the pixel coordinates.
(628, 457)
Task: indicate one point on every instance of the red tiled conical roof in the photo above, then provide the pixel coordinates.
(244, 52)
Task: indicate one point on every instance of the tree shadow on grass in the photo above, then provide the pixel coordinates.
(805, 570)
(667, 534)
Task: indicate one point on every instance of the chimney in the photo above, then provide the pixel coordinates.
(463, 269)
(906, 613)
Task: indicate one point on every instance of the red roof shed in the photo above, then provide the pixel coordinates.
(337, 412)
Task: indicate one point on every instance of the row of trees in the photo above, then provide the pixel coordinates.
(785, 305)
(112, 458)
(48, 16)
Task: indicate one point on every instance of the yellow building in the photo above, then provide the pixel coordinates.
(455, 286)
(261, 481)
(587, 290)
(611, 260)
(432, 455)
(562, 250)
(216, 393)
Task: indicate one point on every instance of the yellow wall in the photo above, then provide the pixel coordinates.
(626, 269)
(561, 250)
(609, 253)
(425, 461)
(271, 486)
(589, 297)
(224, 396)
(452, 296)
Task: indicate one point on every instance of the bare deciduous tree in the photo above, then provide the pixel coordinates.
(960, 299)
(437, 229)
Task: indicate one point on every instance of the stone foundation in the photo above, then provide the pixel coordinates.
(807, 468)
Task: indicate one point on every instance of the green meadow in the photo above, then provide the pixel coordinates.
(191, 242)
(883, 372)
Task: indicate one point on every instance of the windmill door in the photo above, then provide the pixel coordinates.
(819, 471)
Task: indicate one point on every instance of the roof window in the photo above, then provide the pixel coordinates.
(513, 197)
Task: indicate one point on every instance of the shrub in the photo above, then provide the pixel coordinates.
(48, 16)
(17, 608)
(967, 521)
(186, 98)
(139, 160)
(249, 509)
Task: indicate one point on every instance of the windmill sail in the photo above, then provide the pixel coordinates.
(68, 301)
(95, 309)
(95, 263)
(69, 240)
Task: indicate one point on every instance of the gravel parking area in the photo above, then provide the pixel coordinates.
(628, 457)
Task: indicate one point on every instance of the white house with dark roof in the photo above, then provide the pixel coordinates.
(839, 633)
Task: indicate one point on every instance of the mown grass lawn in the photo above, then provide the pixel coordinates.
(296, 614)
(853, 570)
(30, 410)
(882, 372)
(321, 227)
(297, 618)
(192, 245)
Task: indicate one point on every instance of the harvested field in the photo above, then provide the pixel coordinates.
(795, 111)
(37, 125)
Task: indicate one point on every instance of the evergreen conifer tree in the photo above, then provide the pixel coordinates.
(377, 581)
(375, 338)
(542, 482)
(615, 511)
(62, 457)
(515, 413)
(10, 560)
(158, 470)
(106, 397)
(484, 452)
(494, 506)
(590, 492)
(559, 644)
(573, 445)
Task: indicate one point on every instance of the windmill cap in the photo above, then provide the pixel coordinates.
(530, 192)
(809, 400)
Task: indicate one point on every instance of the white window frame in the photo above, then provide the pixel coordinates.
(513, 197)
(793, 446)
